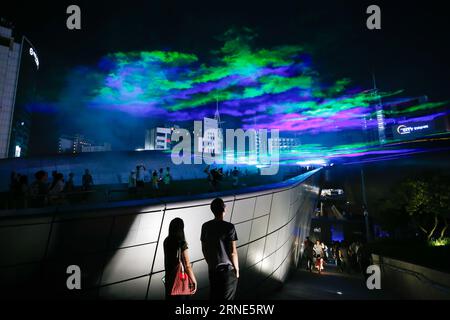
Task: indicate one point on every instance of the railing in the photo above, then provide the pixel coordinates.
(118, 246)
(109, 193)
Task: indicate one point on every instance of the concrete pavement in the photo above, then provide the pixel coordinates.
(329, 285)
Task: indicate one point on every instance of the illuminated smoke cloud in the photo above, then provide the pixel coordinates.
(270, 88)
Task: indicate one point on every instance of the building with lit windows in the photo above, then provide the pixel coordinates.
(19, 64)
(9, 72)
(78, 143)
(283, 144)
(158, 138)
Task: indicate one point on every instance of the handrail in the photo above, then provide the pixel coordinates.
(279, 186)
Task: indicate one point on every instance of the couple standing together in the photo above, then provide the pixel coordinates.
(218, 239)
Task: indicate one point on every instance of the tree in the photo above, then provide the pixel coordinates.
(427, 203)
(391, 210)
(424, 201)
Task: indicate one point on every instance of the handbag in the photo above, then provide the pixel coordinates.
(183, 284)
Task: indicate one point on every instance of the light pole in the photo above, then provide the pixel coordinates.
(366, 212)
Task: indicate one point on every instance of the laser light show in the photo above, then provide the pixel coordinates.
(256, 88)
(205, 152)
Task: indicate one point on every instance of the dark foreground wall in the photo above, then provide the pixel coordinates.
(119, 247)
(411, 281)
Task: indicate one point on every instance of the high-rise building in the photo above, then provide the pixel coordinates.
(73, 144)
(374, 125)
(158, 138)
(212, 139)
(18, 72)
(25, 94)
(9, 73)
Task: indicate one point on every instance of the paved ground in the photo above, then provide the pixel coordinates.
(330, 285)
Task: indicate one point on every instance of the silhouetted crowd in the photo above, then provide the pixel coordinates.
(41, 191)
(58, 189)
(159, 180)
(215, 177)
(352, 258)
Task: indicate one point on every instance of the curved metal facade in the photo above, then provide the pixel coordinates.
(119, 247)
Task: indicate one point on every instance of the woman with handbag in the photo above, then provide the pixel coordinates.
(180, 280)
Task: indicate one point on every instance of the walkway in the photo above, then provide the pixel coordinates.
(330, 285)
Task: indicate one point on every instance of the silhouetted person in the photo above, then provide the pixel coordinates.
(54, 179)
(160, 175)
(23, 185)
(14, 182)
(39, 189)
(132, 182)
(219, 249)
(55, 193)
(87, 180)
(308, 253)
(140, 173)
(155, 184)
(318, 255)
(209, 178)
(175, 244)
(235, 175)
(216, 178)
(70, 185)
(58, 185)
(23, 191)
(325, 252)
(345, 260)
(167, 179)
(339, 258)
(365, 260)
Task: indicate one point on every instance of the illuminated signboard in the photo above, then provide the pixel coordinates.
(402, 129)
(412, 130)
(36, 59)
(18, 152)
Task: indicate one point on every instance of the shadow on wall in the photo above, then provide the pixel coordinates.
(118, 247)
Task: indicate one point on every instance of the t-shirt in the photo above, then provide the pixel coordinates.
(318, 251)
(167, 178)
(217, 235)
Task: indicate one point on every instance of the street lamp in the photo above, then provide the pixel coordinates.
(365, 212)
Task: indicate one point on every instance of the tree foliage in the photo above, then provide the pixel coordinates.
(425, 201)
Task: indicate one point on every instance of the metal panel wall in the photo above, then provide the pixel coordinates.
(120, 252)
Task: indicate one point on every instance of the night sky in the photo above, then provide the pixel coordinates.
(410, 52)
